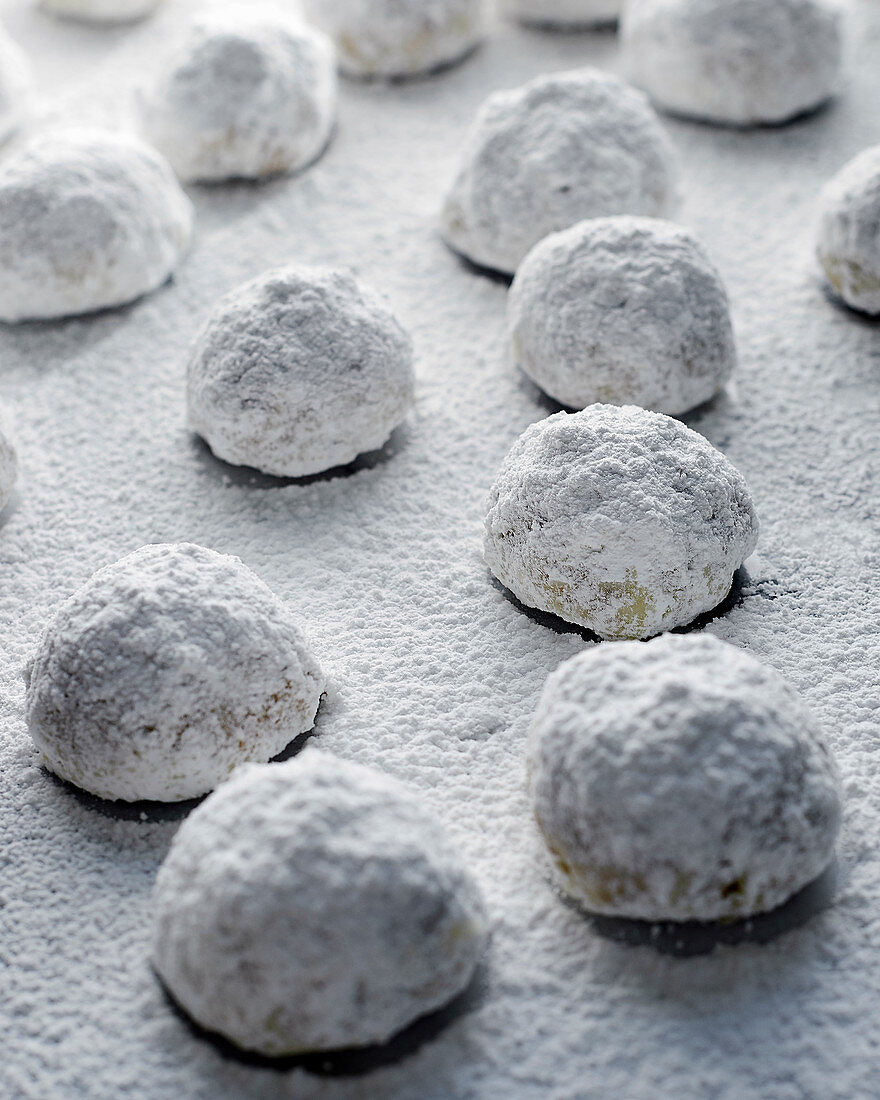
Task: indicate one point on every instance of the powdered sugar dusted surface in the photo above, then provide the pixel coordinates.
(434, 673)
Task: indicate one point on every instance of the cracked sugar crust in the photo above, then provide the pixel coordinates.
(16, 86)
(563, 13)
(242, 96)
(622, 310)
(298, 371)
(88, 220)
(101, 11)
(165, 671)
(314, 905)
(680, 779)
(551, 153)
(739, 62)
(848, 237)
(399, 38)
(621, 520)
(8, 466)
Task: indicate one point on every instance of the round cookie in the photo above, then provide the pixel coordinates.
(736, 62)
(563, 13)
(623, 310)
(621, 520)
(101, 11)
(88, 220)
(242, 96)
(399, 38)
(680, 779)
(165, 671)
(848, 243)
(8, 466)
(314, 905)
(542, 157)
(15, 86)
(298, 371)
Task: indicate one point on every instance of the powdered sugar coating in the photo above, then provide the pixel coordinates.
(8, 466)
(618, 519)
(102, 11)
(544, 156)
(563, 13)
(623, 310)
(88, 220)
(314, 905)
(741, 62)
(680, 779)
(848, 242)
(15, 85)
(298, 371)
(165, 671)
(399, 38)
(242, 95)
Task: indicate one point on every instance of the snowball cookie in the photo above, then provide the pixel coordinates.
(165, 671)
(563, 13)
(88, 220)
(680, 779)
(242, 96)
(8, 467)
(314, 905)
(741, 62)
(624, 310)
(15, 86)
(849, 231)
(559, 149)
(101, 11)
(618, 519)
(399, 38)
(298, 371)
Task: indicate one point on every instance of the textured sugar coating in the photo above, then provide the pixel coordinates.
(546, 155)
(399, 38)
(740, 62)
(8, 466)
(848, 243)
(563, 13)
(680, 779)
(242, 96)
(623, 310)
(314, 905)
(88, 220)
(298, 371)
(165, 671)
(101, 11)
(15, 85)
(618, 519)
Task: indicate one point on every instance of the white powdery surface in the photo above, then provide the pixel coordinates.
(434, 675)
(563, 13)
(15, 85)
(101, 11)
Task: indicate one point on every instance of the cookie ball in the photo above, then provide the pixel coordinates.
(618, 519)
(737, 62)
(298, 371)
(623, 310)
(849, 231)
(680, 779)
(399, 38)
(88, 220)
(314, 905)
(166, 670)
(563, 13)
(101, 11)
(547, 155)
(8, 466)
(15, 86)
(242, 96)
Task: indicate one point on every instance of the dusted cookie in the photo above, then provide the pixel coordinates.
(15, 85)
(8, 467)
(623, 310)
(549, 154)
(399, 38)
(101, 11)
(298, 371)
(563, 13)
(88, 220)
(242, 96)
(849, 231)
(620, 520)
(740, 62)
(680, 780)
(314, 905)
(166, 670)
